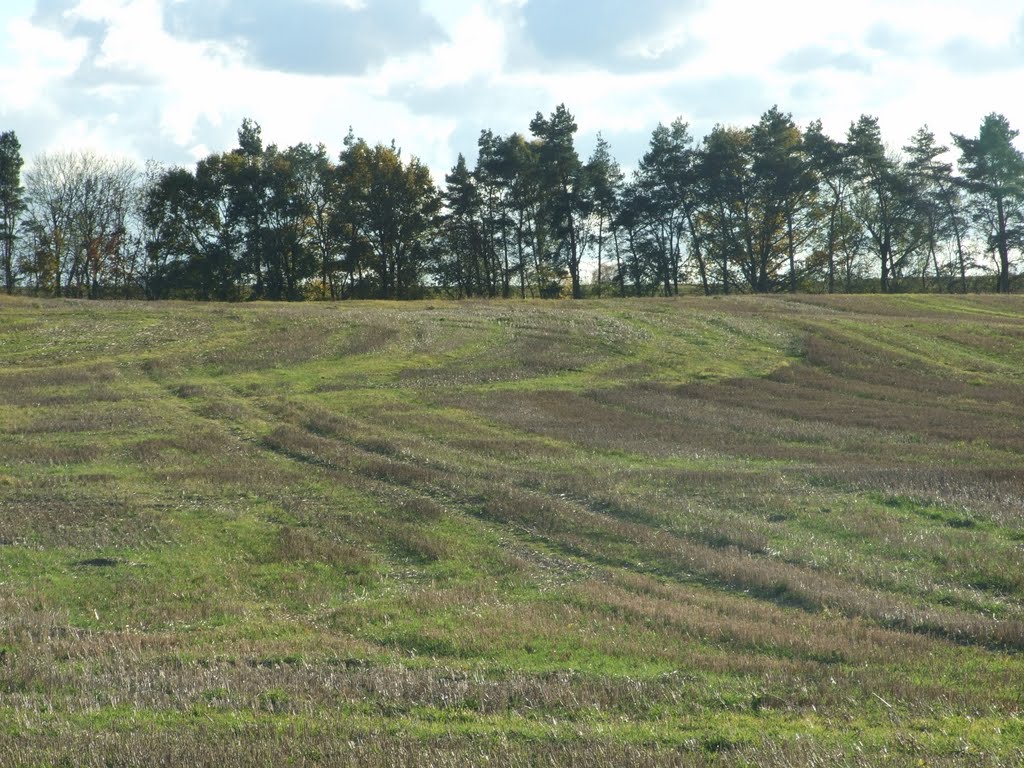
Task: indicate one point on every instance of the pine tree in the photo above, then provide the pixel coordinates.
(993, 170)
(11, 202)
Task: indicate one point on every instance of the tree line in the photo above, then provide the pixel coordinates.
(765, 208)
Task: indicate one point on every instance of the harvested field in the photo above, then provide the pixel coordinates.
(729, 532)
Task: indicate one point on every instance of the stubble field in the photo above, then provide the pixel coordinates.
(724, 532)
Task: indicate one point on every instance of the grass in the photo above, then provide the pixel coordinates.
(730, 532)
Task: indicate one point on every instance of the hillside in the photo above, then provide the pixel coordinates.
(731, 531)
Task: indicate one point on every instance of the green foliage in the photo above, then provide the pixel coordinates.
(994, 177)
(565, 200)
(764, 208)
(886, 202)
(604, 178)
(657, 209)
(392, 207)
(11, 202)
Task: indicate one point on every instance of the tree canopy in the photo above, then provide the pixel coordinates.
(764, 208)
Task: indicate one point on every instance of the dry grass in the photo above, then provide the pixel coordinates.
(730, 532)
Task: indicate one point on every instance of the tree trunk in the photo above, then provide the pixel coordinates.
(832, 252)
(725, 273)
(960, 259)
(8, 265)
(702, 268)
(792, 252)
(1004, 250)
(885, 256)
(618, 263)
(522, 257)
(574, 260)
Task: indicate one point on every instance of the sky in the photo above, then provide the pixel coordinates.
(171, 80)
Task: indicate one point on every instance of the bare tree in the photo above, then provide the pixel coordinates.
(79, 209)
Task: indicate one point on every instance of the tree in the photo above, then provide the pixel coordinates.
(938, 197)
(886, 201)
(726, 182)
(519, 169)
(102, 219)
(605, 182)
(287, 253)
(50, 199)
(565, 199)
(828, 160)
(663, 204)
(392, 207)
(11, 202)
(636, 212)
(489, 182)
(78, 207)
(246, 187)
(318, 200)
(746, 199)
(688, 185)
(462, 230)
(352, 181)
(993, 171)
(193, 245)
(783, 179)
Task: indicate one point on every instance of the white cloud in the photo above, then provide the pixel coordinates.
(36, 58)
(476, 48)
(107, 74)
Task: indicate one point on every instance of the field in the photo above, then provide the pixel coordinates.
(726, 532)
